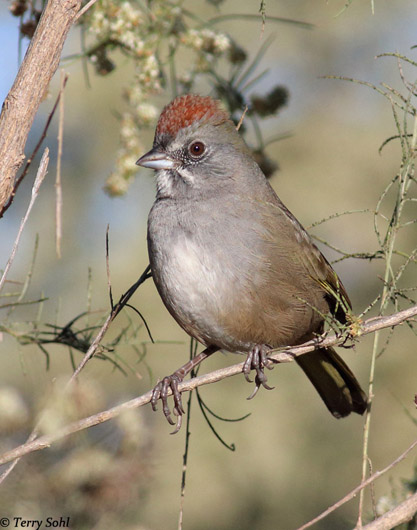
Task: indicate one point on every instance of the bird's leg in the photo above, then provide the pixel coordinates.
(257, 359)
(171, 382)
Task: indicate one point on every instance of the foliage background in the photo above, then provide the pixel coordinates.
(292, 458)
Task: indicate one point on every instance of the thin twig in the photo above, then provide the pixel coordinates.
(359, 488)
(402, 513)
(283, 356)
(58, 185)
(239, 125)
(30, 87)
(90, 352)
(29, 161)
(84, 9)
(108, 268)
(40, 175)
(114, 312)
(193, 352)
(390, 279)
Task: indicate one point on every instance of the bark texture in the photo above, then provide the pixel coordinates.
(30, 86)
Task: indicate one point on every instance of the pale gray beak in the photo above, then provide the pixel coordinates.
(155, 159)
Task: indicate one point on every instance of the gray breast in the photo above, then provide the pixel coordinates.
(190, 271)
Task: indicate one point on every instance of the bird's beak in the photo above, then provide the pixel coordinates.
(155, 159)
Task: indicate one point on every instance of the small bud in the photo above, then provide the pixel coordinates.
(103, 64)
(236, 54)
(18, 7)
(27, 29)
(271, 103)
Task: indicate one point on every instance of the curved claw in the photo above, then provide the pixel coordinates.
(253, 394)
(171, 382)
(161, 392)
(178, 425)
(257, 360)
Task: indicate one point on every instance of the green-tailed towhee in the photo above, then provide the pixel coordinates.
(231, 263)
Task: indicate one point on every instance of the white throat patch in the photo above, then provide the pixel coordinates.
(164, 183)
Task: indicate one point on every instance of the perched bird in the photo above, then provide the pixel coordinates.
(231, 263)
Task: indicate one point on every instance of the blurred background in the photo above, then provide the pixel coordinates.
(292, 458)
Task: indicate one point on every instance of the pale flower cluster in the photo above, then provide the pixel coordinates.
(141, 114)
(125, 165)
(147, 113)
(139, 31)
(144, 112)
(206, 40)
(148, 73)
(118, 22)
(114, 19)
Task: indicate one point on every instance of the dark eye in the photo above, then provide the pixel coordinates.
(197, 148)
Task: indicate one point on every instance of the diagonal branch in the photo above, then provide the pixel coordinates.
(289, 354)
(43, 166)
(359, 488)
(402, 513)
(30, 87)
(90, 353)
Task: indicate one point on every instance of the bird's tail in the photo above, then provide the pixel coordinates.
(334, 381)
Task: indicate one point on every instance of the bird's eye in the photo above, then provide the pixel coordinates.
(197, 149)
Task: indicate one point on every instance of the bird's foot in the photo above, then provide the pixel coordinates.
(257, 359)
(161, 390)
(171, 382)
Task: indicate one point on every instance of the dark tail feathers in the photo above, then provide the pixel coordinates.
(334, 381)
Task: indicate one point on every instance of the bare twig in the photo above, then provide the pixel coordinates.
(359, 488)
(287, 355)
(115, 310)
(402, 513)
(58, 185)
(85, 8)
(239, 125)
(29, 161)
(390, 280)
(31, 85)
(90, 352)
(193, 352)
(43, 166)
(108, 268)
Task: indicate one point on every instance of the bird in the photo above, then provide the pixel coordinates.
(233, 266)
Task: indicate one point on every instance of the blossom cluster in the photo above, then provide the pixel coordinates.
(206, 40)
(147, 35)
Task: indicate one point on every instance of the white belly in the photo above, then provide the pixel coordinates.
(194, 288)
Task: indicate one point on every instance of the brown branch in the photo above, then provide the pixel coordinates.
(90, 353)
(29, 160)
(402, 513)
(85, 8)
(30, 86)
(370, 326)
(359, 488)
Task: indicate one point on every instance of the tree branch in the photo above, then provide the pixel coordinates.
(30, 86)
(359, 488)
(402, 513)
(369, 326)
